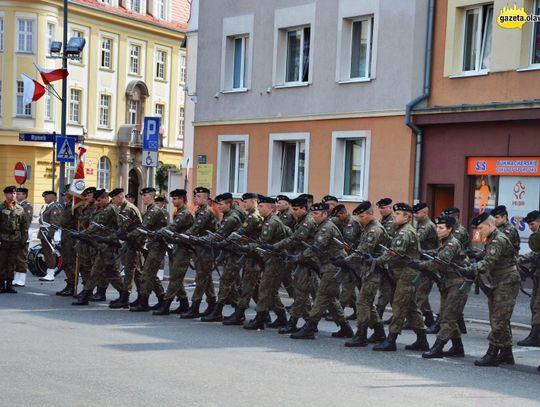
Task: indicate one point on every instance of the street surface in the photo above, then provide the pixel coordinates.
(58, 355)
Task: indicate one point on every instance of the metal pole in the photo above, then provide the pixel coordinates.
(63, 130)
(53, 161)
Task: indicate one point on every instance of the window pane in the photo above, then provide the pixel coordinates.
(301, 166)
(359, 49)
(486, 38)
(305, 54)
(294, 42)
(470, 43)
(288, 160)
(535, 58)
(352, 178)
(232, 167)
(238, 50)
(241, 167)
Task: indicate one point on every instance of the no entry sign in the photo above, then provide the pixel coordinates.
(20, 172)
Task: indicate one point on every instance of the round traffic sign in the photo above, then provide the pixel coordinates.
(21, 173)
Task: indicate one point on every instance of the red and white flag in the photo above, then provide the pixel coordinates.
(78, 184)
(32, 90)
(51, 75)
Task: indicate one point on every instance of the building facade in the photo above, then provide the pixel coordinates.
(305, 96)
(133, 65)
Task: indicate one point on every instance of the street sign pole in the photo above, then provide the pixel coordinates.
(53, 161)
(63, 129)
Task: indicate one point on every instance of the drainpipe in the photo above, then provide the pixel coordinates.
(413, 103)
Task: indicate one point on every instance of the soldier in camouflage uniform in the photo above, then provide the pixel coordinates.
(68, 220)
(405, 246)
(85, 251)
(531, 260)
(453, 296)
(50, 213)
(373, 235)
(253, 265)
(205, 220)
(273, 230)
(13, 237)
(285, 214)
(503, 224)
(228, 283)
(22, 258)
(181, 222)
(102, 229)
(427, 234)
(304, 231)
(387, 286)
(153, 220)
(324, 248)
(500, 262)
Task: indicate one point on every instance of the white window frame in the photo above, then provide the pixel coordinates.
(137, 9)
(275, 152)
(75, 106)
(27, 110)
(181, 123)
(105, 111)
(106, 54)
(136, 58)
(27, 36)
(51, 35)
(49, 104)
(183, 68)
(223, 162)
(162, 10)
(161, 63)
(69, 172)
(1, 32)
(104, 174)
(233, 28)
(344, 49)
(535, 26)
(480, 38)
(337, 164)
(133, 111)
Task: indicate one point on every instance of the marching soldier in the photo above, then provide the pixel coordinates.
(50, 213)
(331, 200)
(68, 220)
(387, 286)
(13, 236)
(22, 258)
(161, 203)
(324, 248)
(285, 214)
(85, 250)
(131, 198)
(503, 224)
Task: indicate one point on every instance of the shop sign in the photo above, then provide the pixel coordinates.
(504, 166)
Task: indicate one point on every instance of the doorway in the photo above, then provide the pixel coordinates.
(133, 186)
(442, 197)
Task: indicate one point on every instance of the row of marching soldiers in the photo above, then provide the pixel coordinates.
(319, 252)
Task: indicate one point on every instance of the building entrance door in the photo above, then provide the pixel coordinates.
(442, 197)
(133, 187)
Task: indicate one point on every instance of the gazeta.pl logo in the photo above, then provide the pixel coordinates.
(513, 17)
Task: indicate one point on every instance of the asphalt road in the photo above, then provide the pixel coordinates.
(54, 354)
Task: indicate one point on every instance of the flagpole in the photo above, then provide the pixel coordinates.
(63, 130)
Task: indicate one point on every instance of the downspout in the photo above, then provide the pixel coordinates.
(425, 94)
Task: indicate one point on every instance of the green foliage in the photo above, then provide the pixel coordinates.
(162, 176)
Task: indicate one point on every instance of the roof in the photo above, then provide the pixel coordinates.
(180, 13)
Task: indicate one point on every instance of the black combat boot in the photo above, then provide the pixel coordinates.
(211, 305)
(216, 315)
(461, 324)
(183, 307)
(165, 307)
(378, 334)
(359, 339)
(257, 322)
(352, 317)
(435, 327)
(533, 339)
(380, 310)
(193, 311)
(237, 318)
(428, 319)
(122, 302)
(421, 342)
(280, 321)
(142, 306)
(345, 331)
(307, 331)
(436, 351)
(67, 291)
(506, 357)
(83, 298)
(135, 302)
(389, 344)
(490, 358)
(290, 328)
(456, 351)
(9, 287)
(99, 296)
(158, 304)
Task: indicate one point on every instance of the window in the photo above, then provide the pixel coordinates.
(232, 164)
(25, 41)
(160, 64)
(289, 159)
(104, 173)
(106, 46)
(133, 111)
(78, 34)
(349, 165)
(160, 108)
(22, 110)
(181, 123)
(136, 6)
(161, 8)
(69, 172)
(134, 54)
(535, 54)
(361, 43)
(1, 34)
(75, 106)
(51, 28)
(240, 62)
(297, 60)
(49, 104)
(183, 69)
(104, 111)
(477, 38)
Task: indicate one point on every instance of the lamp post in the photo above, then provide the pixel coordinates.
(64, 93)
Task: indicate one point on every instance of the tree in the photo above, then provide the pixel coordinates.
(162, 176)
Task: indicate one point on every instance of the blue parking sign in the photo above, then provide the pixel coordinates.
(151, 133)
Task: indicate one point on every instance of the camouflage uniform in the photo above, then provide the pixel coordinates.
(68, 220)
(427, 234)
(85, 251)
(22, 257)
(532, 260)
(129, 217)
(50, 214)
(351, 231)
(404, 243)
(512, 234)
(461, 234)
(13, 236)
(288, 219)
(388, 285)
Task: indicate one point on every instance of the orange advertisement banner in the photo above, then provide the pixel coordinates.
(504, 166)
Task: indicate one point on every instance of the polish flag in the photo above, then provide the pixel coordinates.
(51, 75)
(33, 90)
(78, 185)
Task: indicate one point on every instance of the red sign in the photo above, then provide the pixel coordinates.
(504, 166)
(89, 171)
(20, 172)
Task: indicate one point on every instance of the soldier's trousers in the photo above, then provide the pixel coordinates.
(149, 281)
(501, 305)
(228, 283)
(8, 254)
(535, 306)
(104, 269)
(178, 266)
(303, 285)
(404, 303)
(288, 283)
(271, 279)
(423, 289)
(366, 314)
(386, 291)
(250, 282)
(48, 254)
(68, 258)
(87, 254)
(132, 260)
(204, 264)
(327, 298)
(452, 305)
(22, 260)
(347, 296)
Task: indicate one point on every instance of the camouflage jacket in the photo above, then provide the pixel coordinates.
(287, 218)
(405, 245)
(351, 231)
(325, 246)
(512, 234)
(51, 215)
(304, 231)
(427, 234)
(388, 224)
(129, 217)
(85, 214)
(28, 210)
(461, 234)
(373, 235)
(69, 218)
(251, 227)
(533, 257)
(230, 222)
(499, 259)
(13, 223)
(204, 220)
(108, 217)
(450, 251)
